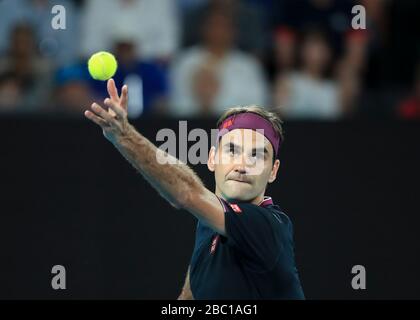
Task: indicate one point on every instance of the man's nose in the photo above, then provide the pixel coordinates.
(243, 164)
(241, 169)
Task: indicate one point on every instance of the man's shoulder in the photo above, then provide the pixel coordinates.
(279, 214)
(271, 212)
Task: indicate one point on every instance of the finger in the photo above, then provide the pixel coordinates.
(99, 121)
(101, 112)
(114, 107)
(112, 90)
(112, 113)
(124, 97)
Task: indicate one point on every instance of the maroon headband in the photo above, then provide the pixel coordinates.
(250, 120)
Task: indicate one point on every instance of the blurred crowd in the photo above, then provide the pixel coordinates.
(187, 58)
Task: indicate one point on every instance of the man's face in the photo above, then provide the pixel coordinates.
(243, 164)
(219, 31)
(315, 53)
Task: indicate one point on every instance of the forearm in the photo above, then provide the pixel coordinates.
(174, 180)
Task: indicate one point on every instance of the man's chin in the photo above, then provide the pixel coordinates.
(238, 196)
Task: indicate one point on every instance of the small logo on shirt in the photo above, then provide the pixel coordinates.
(214, 244)
(235, 208)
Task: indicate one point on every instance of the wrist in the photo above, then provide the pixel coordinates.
(124, 135)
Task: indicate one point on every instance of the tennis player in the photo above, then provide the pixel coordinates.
(244, 245)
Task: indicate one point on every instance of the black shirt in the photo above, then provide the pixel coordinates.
(255, 260)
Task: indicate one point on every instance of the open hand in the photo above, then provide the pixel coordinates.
(113, 122)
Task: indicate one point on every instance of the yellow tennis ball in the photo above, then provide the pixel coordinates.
(102, 65)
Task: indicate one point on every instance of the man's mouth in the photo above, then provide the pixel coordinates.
(240, 180)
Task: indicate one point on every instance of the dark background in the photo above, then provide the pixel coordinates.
(69, 198)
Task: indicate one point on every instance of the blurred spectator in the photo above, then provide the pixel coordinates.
(285, 47)
(351, 68)
(376, 17)
(333, 16)
(248, 20)
(146, 79)
(58, 45)
(307, 93)
(355, 50)
(214, 76)
(154, 23)
(31, 72)
(72, 91)
(409, 108)
(205, 87)
(281, 56)
(10, 92)
(186, 5)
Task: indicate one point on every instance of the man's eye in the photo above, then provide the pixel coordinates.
(258, 155)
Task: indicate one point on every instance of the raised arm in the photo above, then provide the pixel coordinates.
(174, 180)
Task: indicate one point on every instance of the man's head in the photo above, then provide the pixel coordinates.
(244, 159)
(22, 41)
(316, 51)
(218, 31)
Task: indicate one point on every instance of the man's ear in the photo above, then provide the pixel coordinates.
(274, 170)
(211, 159)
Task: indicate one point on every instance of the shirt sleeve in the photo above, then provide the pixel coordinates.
(257, 234)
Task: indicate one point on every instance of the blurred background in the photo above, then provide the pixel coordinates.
(349, 175)
(194, 58)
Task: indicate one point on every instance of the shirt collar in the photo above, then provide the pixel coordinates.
(267, 201)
